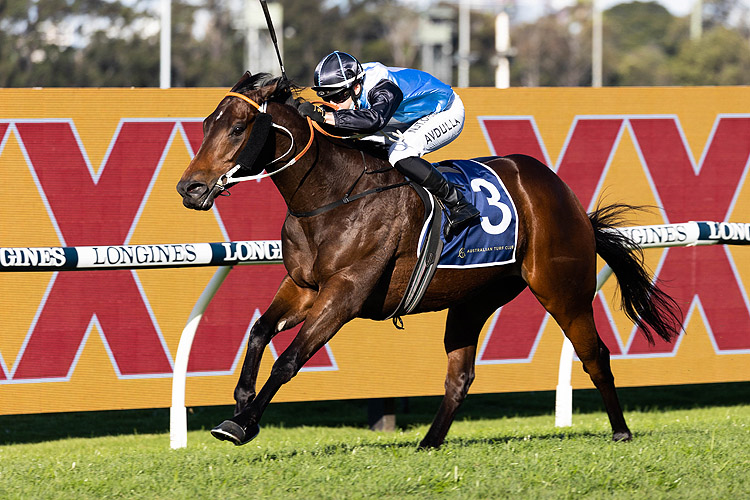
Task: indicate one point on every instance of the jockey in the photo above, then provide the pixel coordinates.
(410, 111)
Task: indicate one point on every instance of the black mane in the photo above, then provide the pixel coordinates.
(284, 92)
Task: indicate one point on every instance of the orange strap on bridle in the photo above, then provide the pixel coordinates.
(331, 105)
(320, 129)
(310, 123)
(244, 98)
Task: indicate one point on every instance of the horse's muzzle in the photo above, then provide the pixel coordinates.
(197, 195)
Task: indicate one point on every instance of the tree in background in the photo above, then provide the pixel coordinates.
(643, 45)
(308, 32)
(207, 51)
(116, 42)
(720, 57)
(640, 38)
(555, 50)
(51, 43)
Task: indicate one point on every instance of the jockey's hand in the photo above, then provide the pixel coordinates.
(316, 113)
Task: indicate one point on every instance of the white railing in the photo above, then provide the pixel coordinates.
(108, 257)
(102, 257)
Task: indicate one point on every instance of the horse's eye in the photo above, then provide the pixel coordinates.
(238, 129)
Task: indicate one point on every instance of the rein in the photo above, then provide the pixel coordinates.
(323, 131)
(348, 197)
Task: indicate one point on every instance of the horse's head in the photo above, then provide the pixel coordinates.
(237, 131)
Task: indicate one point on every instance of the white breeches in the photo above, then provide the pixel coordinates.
(429, 133)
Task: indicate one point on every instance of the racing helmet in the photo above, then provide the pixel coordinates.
(336, 75)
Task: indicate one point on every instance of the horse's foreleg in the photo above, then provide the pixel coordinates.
(461, 335)
(334, 306)
(287, 310)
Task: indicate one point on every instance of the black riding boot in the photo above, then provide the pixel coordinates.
(460, 211)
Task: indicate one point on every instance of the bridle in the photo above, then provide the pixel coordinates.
(228, 178)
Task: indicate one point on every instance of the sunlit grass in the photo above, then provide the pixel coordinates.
(680, 453)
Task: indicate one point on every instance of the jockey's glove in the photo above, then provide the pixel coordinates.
(315, 112)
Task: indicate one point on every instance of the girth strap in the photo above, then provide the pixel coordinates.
(427, 261)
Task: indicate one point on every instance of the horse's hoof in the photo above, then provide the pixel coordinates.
(235, 433)
(619, 437)
(428, 446)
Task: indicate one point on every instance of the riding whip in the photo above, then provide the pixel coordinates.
(272, 32)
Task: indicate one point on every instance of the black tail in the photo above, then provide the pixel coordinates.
(642, 300)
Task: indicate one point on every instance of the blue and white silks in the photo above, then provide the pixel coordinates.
(423, 93)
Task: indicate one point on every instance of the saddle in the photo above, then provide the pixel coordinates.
(491, 241)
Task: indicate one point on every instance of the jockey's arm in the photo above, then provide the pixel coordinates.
(384, 99)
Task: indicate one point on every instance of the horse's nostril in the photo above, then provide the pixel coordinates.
(192, 189)
(196, 189)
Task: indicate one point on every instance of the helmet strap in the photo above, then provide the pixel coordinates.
(355, 96)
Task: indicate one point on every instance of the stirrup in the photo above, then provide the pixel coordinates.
(458, 218)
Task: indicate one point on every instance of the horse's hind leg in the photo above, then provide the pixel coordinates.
(561, 272)
(574, 313)
(594, 356)
(463, 325)
(288, 309)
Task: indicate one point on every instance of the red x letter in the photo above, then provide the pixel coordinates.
(93, 211)
(584, 158)
(703, 193)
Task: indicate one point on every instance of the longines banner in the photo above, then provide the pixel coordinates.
(98, 168)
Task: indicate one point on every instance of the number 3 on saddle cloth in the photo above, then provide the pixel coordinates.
(491, 242)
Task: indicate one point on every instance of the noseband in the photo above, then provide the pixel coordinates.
(262, 133)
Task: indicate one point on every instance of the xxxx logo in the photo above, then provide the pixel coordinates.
(701, 279)
(103, 208)
(88, 208)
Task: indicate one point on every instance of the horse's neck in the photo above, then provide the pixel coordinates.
(324, 173)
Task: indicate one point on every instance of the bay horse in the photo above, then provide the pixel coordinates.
(353, 260)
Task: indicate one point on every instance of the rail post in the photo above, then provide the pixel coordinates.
(178, 412)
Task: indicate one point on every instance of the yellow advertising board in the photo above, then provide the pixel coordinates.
(99, 167)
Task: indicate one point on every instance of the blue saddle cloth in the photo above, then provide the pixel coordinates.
(493, 240)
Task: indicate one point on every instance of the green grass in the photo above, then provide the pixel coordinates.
(690, 442)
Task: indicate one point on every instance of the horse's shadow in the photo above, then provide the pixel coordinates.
(411, 445)
(410, 413)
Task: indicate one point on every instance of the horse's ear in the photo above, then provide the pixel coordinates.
(243, 83)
